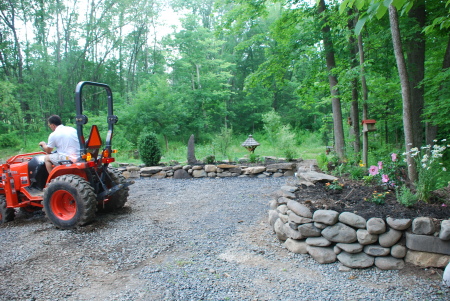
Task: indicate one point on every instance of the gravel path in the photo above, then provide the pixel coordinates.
(204, 239)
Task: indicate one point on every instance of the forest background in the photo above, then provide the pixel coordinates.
(298, 75)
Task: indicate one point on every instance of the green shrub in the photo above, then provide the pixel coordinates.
(223, 140)
(405, 196)
(253, 158)
(149, 149)
(322, 162)
(210, 159)
(357, 172)
(9, 140)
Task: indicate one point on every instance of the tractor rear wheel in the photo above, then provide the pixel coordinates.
(69, 201)
(6, 214)
(118, 199)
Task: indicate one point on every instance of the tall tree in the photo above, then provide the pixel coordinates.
(415, 46)
(8, 15)
(406, 92)
(339, 143)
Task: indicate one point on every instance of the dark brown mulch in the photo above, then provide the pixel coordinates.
(354, 197)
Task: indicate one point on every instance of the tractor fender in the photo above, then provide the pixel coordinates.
(78, 169)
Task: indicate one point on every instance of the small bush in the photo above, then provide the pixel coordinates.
(357, 172)
(405, 196)
(149, 149)
(224, 140)
(255, 158)
(210, 159)
(378, 197)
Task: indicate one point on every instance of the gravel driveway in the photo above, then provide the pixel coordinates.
(203, 239)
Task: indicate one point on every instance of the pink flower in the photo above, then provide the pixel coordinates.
(380, 164)
(384, 178)
(394, 157)
(373, 170)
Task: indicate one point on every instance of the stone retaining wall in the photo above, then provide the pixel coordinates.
(328, 236)
(209, 170)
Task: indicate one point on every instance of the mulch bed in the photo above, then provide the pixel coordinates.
(355, 197)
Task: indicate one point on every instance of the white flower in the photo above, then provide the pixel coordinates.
(444, 169)
(424, 165)
(443, 140)
(434, 140)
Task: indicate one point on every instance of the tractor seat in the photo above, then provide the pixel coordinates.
(37, 172)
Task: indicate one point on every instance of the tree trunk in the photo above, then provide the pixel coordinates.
(339, 143)
(365, 95)
(354, 113)
(415, 46)
(406, 96)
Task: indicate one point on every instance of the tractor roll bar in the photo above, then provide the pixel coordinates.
(82, 119)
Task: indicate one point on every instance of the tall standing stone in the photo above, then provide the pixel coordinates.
(191, 151)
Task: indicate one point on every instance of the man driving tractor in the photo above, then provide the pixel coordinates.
(64, 139)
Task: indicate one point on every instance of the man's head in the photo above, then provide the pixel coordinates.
(54, 121)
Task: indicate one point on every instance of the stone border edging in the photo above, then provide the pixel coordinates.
(210, 171)
(328, 236)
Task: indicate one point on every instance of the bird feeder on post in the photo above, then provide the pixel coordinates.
(250, 144)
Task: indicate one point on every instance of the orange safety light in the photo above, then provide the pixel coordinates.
(105, 153)
(94, 141)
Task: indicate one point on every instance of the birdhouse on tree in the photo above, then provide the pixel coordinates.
(369, 125)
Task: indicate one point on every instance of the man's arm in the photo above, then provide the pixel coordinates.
(45, 148)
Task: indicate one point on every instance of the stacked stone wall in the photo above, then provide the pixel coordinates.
(330, 236)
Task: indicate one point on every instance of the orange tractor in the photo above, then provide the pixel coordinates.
(73, 191)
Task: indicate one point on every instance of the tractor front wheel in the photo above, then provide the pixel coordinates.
(6, 214)
(69, 201)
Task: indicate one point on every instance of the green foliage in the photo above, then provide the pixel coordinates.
(322, 162)
(368, 180)
(432, 174)
(357, 172)
(279, 134)
(335, 185)
(149, 149)
(210, 159)
(9, 140)
(389, 174)
(224, 140)
(272, 125)
(254, 158)
(378, 198)
(405, 196)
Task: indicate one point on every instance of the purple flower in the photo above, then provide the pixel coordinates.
(394, 157)
(380, 164)
(384, 178)
(373, 170)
